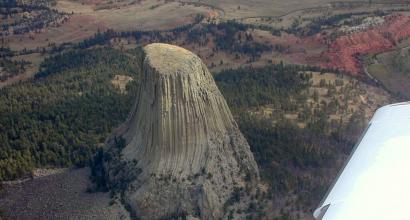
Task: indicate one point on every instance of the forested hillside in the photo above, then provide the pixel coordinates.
(60, 120)
(297, 156)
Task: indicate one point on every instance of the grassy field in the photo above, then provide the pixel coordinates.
(392, 69)
(259, 8)
(244, 8)
(288, 17)
(86, 19)
(137, 15)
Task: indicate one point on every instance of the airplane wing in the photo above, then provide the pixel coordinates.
(375, 182)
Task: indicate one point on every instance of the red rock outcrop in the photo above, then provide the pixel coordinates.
(343, 52)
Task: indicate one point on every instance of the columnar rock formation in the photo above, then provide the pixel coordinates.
(182, 139)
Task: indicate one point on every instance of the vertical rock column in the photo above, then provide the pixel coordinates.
(182, 137)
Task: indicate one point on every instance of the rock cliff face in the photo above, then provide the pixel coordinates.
(182, 140)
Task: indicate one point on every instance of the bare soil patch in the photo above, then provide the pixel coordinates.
(121, 81)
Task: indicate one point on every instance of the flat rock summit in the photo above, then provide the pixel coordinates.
(181, 152)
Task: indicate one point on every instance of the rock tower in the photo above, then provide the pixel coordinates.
(182, 139)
